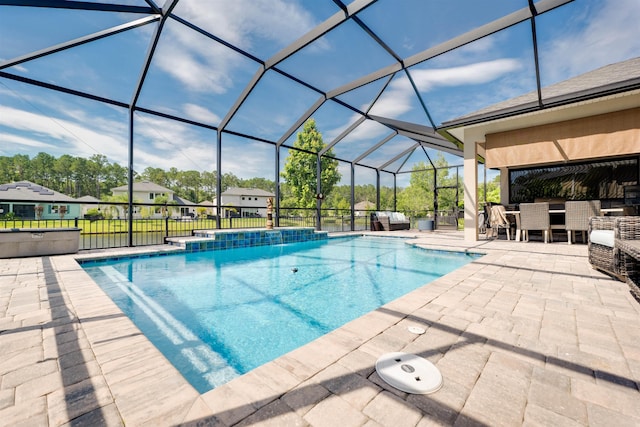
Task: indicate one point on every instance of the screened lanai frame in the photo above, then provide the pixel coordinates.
(418, 125)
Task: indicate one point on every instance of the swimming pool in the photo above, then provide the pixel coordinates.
(218, 314)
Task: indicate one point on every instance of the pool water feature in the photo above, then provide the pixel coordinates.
(218, 314)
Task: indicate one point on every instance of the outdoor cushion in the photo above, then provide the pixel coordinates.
(602, 237)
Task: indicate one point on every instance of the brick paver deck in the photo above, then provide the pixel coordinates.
(529, 334)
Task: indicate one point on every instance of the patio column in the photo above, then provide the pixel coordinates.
(470, 191)
(504, 186)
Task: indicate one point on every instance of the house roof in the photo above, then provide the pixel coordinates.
(365, 204)
(236, 191)
(28, 191)
(604, 80)
(144, 186)
(604, 90)
(182, 202)
(87, 198)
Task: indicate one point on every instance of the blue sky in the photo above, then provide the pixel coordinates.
(196, 78)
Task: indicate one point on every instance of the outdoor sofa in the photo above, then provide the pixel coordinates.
(614, 247)
(391, 221)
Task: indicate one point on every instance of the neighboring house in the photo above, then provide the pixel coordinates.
(209, 206)
(23, 197)
(361, 208)
(88, 202)
(186, 207)
(245, 202)
(147, 191)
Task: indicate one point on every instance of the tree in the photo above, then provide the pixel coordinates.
(42, 168)
(209, 182)
(97, 164)
(83, 183)
(229, 180)
(301, 166)
(157, 175)
(493, 191)
(261, 183)
(64, 174)
(419, 195)
(122, 200)
(22, 168)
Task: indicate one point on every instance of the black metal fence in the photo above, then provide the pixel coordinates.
(100, 232)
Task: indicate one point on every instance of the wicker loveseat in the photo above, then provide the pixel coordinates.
(391, 221)
(609, 248)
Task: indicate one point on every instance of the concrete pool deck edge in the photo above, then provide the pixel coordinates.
(115, 375)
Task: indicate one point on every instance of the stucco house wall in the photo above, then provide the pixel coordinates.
(23, 197)
(245, 202)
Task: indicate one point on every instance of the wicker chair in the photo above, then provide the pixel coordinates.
(601, 254)
(608, 257)
(535, 216)
(577, 214)
(626, 228)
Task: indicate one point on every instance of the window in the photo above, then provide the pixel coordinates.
(600, 180)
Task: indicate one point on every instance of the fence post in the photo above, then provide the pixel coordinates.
(75, 222)
(166, 226)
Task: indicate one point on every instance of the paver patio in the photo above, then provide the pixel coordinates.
(529, 334)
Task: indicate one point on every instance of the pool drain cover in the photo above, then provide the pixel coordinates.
(409, 373)
(416, 330)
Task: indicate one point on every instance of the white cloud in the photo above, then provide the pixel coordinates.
(398, 97)
(167, 143)
(200, 64)
(242, 22)
(472, 74)
(80, 139)
(606, 33)
(257, 160)
(199, 113)
(9, 138)
(203, 65)
(159, 143)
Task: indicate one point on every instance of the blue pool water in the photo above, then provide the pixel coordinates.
(218, 314)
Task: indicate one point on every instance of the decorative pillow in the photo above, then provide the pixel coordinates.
(602, 237)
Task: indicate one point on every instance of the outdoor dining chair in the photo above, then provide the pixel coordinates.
(498, 219)
(535, 216)
(577, 214)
